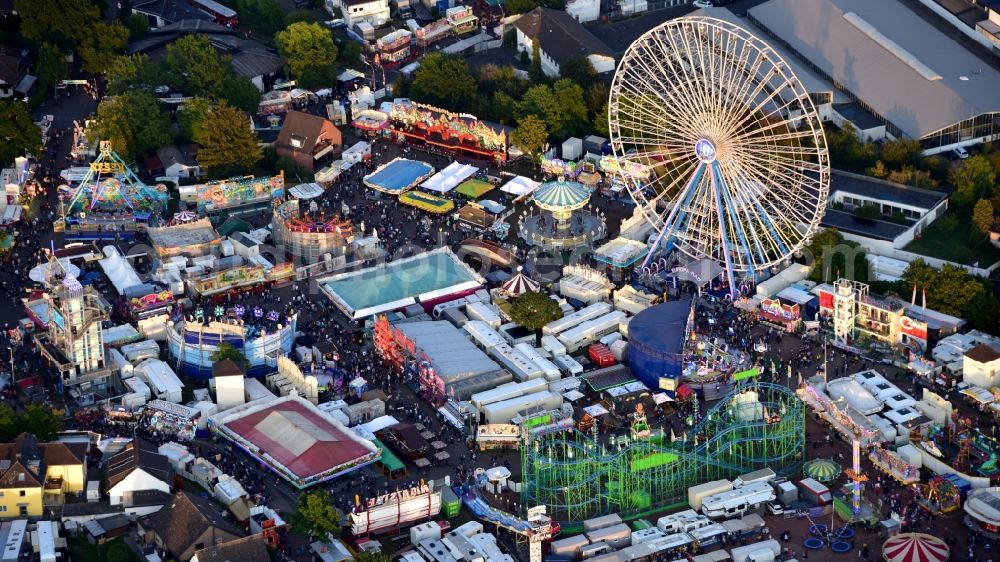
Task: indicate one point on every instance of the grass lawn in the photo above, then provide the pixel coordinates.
(80, 549)
(954, 246)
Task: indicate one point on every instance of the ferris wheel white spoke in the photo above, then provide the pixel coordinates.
(710, 109)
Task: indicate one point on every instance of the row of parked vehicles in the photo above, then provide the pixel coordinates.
(758, 490)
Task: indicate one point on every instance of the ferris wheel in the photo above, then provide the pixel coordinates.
(719, 144)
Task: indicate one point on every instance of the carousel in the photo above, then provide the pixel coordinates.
(519, 284)
(309, 234)
(563, 223)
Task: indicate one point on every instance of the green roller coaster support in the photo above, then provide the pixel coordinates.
(757, 425)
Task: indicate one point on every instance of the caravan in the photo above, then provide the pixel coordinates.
(738, 502)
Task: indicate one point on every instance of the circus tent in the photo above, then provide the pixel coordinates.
(915, 547)
(520, 284)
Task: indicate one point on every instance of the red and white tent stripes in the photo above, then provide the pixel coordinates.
(915, 547)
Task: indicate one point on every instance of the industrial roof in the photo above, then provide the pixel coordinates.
(451, 354)
(903, 67)
(811, 81)
(887, 191)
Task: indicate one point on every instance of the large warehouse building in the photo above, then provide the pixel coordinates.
(914, 78)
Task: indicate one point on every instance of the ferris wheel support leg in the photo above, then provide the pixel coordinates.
(733, 215)
(722, 234)
(676, 214)
(770, 226)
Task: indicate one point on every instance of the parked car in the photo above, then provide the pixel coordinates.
(960, 153)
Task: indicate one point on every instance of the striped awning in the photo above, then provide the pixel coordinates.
(823, 470)
(915, 547)
(561, 194)
(520, 284)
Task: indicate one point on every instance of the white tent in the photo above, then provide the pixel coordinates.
(449, 178)
(520, 185)
(37, 273)
(118, 269)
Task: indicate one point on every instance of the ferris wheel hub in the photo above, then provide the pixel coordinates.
(705, 151)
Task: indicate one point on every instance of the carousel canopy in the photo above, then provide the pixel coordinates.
(561, 195)
(520, 284)
(823, 470)
(915, 547)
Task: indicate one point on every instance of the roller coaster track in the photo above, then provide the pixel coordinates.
(755, 425)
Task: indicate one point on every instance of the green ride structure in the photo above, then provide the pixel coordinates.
(756, 425)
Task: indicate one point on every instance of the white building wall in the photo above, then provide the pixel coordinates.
(549, 66)
(375, 12)
(983, 375)
(137, 481)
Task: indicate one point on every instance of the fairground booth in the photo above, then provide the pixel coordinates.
(890, 321)
(788, 308)
(222, 199)
(455, 133)
(310, 235)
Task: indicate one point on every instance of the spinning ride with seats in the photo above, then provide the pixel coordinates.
(111, 194)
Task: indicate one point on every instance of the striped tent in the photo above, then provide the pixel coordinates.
(915, 547)
(561, 195)
(823, 470)
(519, 284)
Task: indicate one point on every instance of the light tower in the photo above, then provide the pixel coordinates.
(846, 294)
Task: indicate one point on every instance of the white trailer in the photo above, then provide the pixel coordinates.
(484, 313)
(763, 551)
(592, 330)
(515, 362)
(140, 351)
(506, 391)
(568, 365)
(552, 346)
(682, 522)
(549, 368)
(737, 502)
(698, 493)
(506, 410)
(595, 310)
(762, 475)
(483, 335)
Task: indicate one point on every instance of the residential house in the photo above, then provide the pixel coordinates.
(100, 531)
(33, 474)
(247, 549)
(375, 12)
(165, 12)
(14, 78)
(250, 59)
(136, 469)
(309, 140)
(188, 523)
(179, 161)
(560, 37)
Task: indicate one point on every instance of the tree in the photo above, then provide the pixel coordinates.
(42, 421)
(19, 133)
(190, 117)
(10, 424)
(228, 144)
(262, 16)
(578, 69)
(52, 66)
(125, 72)
(348, 51)
(105, 42)
(318, 76)
(134, 122)
(369, 556)
(530, 135)
(982, 217)
(118, 552)
(228, 351)
(315, 515)
(535, 72)
(901, 152)
(973, 178)
(878, 170)
(541, 102)
(195, 63)
(951, 289)
(912, 176)
(445, 81)
(305, 45)
(828, 254)
(533, 311)
(569, 96)
(65, 23)
(241, 94)
(138, 26)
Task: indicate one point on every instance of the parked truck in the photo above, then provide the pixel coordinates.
(762, 475)
(738, 502)
(763, 551)
(814, 492)
(696, 494)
